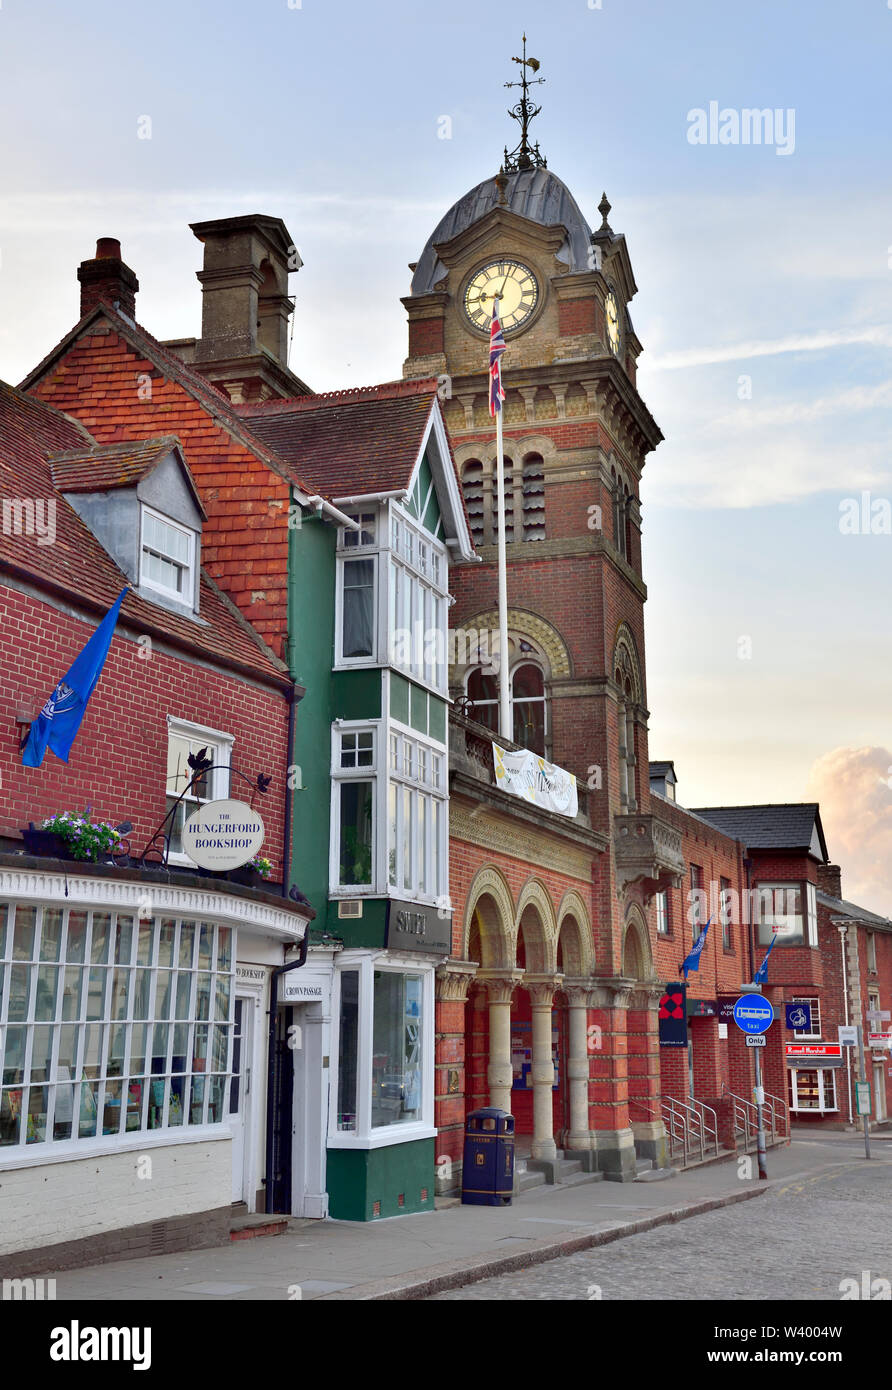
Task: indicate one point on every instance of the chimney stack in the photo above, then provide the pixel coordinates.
(107, 277)
(830, 880)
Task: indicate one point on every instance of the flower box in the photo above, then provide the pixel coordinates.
(46, 843)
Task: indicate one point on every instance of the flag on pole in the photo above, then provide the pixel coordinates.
(761, 974)
(496, 348)
(692, 960)
(57, 724)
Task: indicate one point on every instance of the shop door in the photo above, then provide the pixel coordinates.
(879, 1092)
(240, 1097)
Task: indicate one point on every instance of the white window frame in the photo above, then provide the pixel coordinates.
(434, 893)
(424, 589)
(220, 780)
(816, 1033)
(339, 775)
(809, 924)
(364, 1136)
(821, 1108)
(811, 913)
(187, 597)
(662, 897)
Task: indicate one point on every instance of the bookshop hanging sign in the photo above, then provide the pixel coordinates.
(223, 835)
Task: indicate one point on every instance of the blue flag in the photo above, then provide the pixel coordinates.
(761, 974)
(58, 722)
(692, 961)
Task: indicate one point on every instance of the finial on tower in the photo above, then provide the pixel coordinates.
(525, 156)
(501, 185)
(603, 209)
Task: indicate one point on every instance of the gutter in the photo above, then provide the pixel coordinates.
(322, 505)
(371, 497)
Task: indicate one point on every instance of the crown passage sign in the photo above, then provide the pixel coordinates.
(223, 835)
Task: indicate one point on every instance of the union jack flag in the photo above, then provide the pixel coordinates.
(496, 348)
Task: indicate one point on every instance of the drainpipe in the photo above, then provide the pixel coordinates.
(295, 695)
(271, 1051)
(748, 867)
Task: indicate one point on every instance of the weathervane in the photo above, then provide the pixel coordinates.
(525, 156)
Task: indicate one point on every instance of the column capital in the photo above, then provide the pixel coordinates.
(542, 988)
(579, 990)
(647, 994)
(613, 991)
(453, 979)
(500, 984)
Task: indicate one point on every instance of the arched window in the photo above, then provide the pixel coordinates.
(524, 499)
(622, 500)
(527, 697)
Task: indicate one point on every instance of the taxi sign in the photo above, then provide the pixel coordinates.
(752, 1013)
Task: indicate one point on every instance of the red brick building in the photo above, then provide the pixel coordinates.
(124, 1019)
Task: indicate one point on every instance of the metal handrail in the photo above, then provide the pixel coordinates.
(746, 1117)
(688, 1125)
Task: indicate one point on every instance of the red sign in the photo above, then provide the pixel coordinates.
(814, 1054)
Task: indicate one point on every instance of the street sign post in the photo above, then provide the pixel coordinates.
(753, 1016)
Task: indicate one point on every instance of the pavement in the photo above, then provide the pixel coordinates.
(425, 1254)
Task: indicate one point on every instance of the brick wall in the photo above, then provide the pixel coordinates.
(118, 762)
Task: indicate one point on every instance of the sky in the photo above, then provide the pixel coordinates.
(764, 303)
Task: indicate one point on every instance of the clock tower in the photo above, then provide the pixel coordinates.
(577, 433)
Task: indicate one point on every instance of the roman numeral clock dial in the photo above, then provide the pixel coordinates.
(516, 286)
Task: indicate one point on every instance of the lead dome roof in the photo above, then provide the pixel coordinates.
(537, 194)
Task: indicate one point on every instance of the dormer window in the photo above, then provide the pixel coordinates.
(167, 557)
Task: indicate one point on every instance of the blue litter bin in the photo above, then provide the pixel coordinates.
(487, 1178)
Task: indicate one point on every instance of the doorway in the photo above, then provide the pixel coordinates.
(879, 1093)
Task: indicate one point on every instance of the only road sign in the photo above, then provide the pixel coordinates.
(755, 1040)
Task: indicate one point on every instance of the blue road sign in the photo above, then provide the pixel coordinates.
(752, 1013)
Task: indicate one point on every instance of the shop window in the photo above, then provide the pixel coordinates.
(111, 1025)
(812, 1090)
(348, 1051)
(184, 739)
(396, 1048)
(384, 1088)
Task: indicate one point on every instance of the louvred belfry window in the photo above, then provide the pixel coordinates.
(524, 499)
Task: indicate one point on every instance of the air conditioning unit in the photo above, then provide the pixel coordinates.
(351, 908)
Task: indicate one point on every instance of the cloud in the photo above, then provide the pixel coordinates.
(876, 335)
(854, 787)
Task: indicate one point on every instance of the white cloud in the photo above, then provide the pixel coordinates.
(879, 335)
(854, 788)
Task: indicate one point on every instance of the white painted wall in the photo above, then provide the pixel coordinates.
(46, 1203)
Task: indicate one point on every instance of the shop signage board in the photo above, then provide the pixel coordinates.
(813, 1054)
(297, 988)
(223, 835)
(752, 1013)
(848, 1034)
(527, 775)
(702, 1008)
(879, 1040)
(415, 927)
(671, 1016)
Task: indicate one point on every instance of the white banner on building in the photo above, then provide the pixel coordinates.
(532, 778)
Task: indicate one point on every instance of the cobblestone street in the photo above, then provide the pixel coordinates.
(798, 1242)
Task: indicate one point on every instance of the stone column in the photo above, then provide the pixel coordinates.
(579, 1137)
(542, 988)
(644, 1073)
(453, 979)
(500, 985)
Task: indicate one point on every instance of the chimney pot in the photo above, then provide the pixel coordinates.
(107, 278)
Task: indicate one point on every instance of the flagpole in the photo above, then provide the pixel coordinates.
(505, 728)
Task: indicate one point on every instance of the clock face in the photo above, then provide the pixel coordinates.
(516, 286)
(612, 312)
